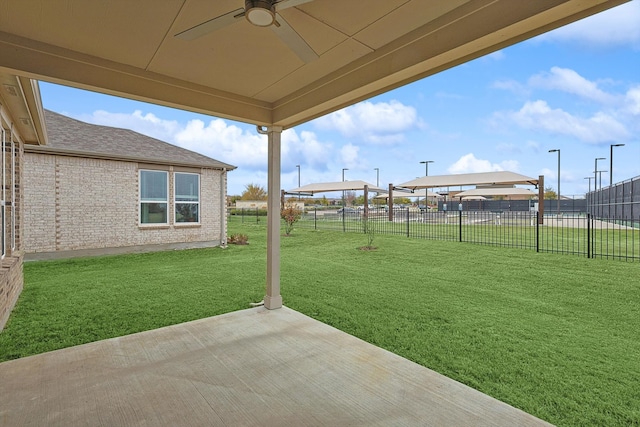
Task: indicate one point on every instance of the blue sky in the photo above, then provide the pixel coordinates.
(576, 89)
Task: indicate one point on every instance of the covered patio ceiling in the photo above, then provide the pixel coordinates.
(253, 74)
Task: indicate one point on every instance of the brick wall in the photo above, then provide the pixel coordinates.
(11, 283)
(78, 203)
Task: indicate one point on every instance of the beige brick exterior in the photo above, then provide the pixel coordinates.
(78, 203)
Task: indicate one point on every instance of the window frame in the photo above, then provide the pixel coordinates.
(141, 201)
(177, 202)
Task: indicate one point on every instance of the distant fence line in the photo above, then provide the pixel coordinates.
(569, 233)
(620, 201)
(550, 205)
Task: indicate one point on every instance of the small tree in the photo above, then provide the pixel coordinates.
(291, 214)
(369, 228)
(550, 194)
(254, 192)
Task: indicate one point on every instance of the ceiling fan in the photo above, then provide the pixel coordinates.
(261, 13)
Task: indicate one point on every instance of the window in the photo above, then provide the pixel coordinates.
(187, 197)
(3, 202)
(154, 197)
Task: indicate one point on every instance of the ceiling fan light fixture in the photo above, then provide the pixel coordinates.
(260, 13)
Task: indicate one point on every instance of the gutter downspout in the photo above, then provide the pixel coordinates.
(223, 208)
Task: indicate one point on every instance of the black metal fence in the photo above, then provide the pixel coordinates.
(620, 202)
(576, 233)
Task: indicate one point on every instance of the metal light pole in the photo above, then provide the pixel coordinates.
(298, 166)
(600, 179)
(343, 200)
(595, 174)
(611, 162)
(426, 166)
(377, 176)
(557, 150)
(589, 178)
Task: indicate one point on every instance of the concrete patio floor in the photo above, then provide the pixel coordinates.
(247, 368)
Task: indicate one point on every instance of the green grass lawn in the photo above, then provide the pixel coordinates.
(554, 335)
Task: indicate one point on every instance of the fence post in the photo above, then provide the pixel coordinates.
(537, 231)
(460, 222)
(407, 222)
(257, 215)
(588, 235)
(315, 218)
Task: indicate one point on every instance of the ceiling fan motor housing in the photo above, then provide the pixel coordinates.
(261, 13)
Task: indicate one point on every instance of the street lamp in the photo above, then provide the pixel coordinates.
(343, 199)
(589, 178)
(595, 174)
(377, 176)
(600, 178)
(426, 166)
(611, 162)
(557, 150)
(298, 166)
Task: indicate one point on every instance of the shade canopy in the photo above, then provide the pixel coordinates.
(513, 191)
(240, 71)
(483, 178)
(325, 187)
(411, 194)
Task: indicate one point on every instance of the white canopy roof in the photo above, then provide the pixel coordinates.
(513, 191)
(484, 178)
(324, 187)
(416, 193)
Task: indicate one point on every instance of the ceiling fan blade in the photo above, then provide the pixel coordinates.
(292, 39)
(284, 4)
(211, 25)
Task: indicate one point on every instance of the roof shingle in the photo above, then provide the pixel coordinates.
(67, 135)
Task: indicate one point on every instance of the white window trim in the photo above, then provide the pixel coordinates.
(13, 192)
(3, 202)
(140, 201)
(175, 201)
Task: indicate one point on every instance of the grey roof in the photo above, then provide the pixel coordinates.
(73, 137)
(483, 178)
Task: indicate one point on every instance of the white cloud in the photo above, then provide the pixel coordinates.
(349, 156)
(304, 149)
(632, 100)
(225, 142)
(511, 86)
(146, 124)
(538, 116)
(567, 80)
(379, 123)
(533, 146)
(470, 164)
(615, 27)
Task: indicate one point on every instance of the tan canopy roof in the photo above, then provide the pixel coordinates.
(416, 193)
(324, 187)
(484, 178)
(514, 191)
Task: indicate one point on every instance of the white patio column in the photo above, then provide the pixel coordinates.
(273, 299)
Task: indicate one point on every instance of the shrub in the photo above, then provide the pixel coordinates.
(291, 214)
(238, 239)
